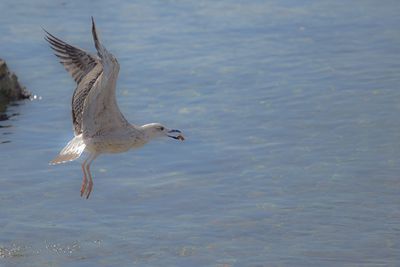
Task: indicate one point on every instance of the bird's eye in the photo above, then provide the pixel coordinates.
(161, 128)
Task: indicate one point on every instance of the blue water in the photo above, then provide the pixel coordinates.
(291, 115)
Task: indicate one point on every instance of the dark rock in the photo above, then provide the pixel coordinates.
(10, 89)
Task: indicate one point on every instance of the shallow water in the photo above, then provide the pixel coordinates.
(290, 109)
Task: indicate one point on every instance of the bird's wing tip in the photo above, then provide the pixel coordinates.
(93, 24)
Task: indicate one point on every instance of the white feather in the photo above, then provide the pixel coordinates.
(71, 151)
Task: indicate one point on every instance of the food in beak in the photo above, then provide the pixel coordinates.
(178, 137)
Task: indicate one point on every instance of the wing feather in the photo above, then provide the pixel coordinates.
(76, 61)
(94, 106)
(80, 95)
(85, 70)
(101, 112)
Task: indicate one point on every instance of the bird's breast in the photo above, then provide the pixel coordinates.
(114, 142)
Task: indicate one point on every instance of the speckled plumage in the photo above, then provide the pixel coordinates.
(99, 125)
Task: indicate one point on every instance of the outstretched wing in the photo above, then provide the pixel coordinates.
(76, 61)
(83, 67)
(101, 112)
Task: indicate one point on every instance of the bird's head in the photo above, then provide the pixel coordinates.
(153, 130)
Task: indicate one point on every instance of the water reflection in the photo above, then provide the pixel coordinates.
(5, 123)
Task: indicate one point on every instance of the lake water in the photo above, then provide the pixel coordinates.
(291, 115)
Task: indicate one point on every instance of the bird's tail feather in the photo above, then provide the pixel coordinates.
(71, 151)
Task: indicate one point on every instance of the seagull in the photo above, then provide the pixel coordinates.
(99, 126)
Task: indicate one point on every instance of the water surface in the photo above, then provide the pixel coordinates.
(292, 155)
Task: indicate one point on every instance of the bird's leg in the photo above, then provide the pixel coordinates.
(90, 185)
(84, 180)
(89, 188)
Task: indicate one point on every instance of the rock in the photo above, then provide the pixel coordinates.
(10, 89)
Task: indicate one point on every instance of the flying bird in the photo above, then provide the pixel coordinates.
(99, 126)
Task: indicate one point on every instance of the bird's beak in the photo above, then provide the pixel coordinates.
(176, 134)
